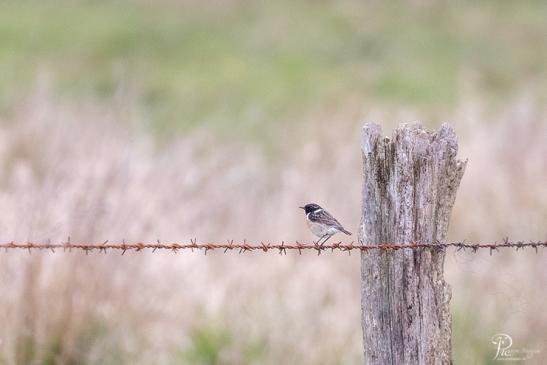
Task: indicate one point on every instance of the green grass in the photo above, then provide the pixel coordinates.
(87, 339)
(471, 338)
(206, 346)
(208, 342)
(248, 67)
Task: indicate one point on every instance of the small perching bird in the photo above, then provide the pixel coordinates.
(321, 223)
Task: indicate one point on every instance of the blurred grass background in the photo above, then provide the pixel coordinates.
(250, 66)
(179, 119)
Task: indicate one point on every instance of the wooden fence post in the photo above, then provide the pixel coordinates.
(409, 187)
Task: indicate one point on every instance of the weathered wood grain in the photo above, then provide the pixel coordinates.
(409, 187)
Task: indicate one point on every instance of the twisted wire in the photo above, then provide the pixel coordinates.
(281, 248)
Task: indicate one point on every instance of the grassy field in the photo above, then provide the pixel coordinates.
(75, 170)
(173, 119)
(244, 67)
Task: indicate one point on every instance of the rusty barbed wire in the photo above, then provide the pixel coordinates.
(281, 248)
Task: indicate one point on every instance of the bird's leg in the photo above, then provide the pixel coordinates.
(319, 240)
(326, 239)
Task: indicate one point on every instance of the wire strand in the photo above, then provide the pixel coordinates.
(281, 248)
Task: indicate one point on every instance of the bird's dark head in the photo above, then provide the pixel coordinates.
(310, 208)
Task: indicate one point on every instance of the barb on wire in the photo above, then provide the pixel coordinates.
(281, 248)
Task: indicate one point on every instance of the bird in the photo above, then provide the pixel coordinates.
(322, 223)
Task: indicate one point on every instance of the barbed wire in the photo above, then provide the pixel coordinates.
(281, 248)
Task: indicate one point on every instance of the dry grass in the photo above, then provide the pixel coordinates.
(87, 172)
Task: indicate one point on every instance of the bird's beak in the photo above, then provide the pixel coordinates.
(302, 208)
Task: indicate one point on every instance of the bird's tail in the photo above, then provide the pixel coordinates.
(346, 232)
